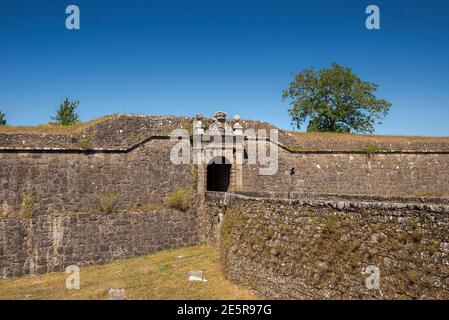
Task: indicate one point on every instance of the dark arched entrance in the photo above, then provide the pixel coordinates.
(218, 174)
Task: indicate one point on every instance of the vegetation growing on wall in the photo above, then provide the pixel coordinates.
(52, 128)
(29, 203)
(85, 142)
(181, 199)
(370, 149)
(309, 252)
(107, 201)
(149, 207)
(187, 125)
(233, 223)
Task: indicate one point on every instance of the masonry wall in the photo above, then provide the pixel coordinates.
(75, 181)
(282, 249)
(49, 243)
(377, 174)
(319, 249)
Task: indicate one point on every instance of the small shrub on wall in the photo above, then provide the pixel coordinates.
(181, 199)
(85, 142)
(108, 201)
(29, 203)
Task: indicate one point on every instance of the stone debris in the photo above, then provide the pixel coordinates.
(116, 294)
(196, 276)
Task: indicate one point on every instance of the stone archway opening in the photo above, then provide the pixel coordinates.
(218, 174)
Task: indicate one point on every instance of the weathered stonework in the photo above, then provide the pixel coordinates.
(49, 243)
(354, 201)
(292, 249)
(384, 174)
(74, 182)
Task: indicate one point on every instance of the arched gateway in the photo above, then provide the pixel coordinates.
(218, 174)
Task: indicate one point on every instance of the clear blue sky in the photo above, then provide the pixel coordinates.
(184, 57)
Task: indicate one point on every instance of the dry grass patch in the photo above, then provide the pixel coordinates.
(181, 199)
(51, 128)
(158, 276)
(329, 136)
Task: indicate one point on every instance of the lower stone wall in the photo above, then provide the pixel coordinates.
(291, 249)
(49, 243)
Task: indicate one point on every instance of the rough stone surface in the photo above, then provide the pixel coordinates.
(122, 132)
(76, 182)
(354, 201)
(117, 294)
(292, 249)
(391, 174)
(49, 243)
(195, 276)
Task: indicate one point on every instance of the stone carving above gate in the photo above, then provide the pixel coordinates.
(219, 126)
(198, 127)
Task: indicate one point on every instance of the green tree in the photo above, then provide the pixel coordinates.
(334, 99)
(66, 112)
(2, 119)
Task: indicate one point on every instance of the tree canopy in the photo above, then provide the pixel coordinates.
(334, 99)
(66, 112)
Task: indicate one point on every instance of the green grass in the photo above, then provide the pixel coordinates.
(158, 276)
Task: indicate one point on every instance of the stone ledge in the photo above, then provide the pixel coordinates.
(350, 197)
(338, 205)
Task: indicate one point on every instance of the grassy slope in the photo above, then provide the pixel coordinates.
(158, 276)
(366, 137)
(51, 128)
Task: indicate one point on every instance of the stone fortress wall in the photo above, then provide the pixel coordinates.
(50, 243)
(415, 174)
(321, 249)
(128, 155)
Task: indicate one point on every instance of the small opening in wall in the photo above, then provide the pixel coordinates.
(218, 174)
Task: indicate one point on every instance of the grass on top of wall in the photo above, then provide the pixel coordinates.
(162, 275)
(326, 136)
(51, 128)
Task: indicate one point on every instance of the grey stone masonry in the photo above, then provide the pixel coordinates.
(50, 243)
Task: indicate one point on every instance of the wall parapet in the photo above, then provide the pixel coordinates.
(347, 201)
(123, 132)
